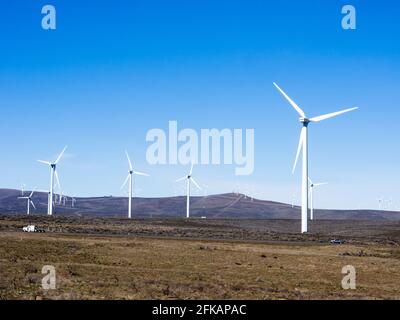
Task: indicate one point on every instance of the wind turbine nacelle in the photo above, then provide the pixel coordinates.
(304, 120)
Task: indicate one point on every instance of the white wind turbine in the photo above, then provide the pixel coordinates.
(303, 144)
(73, 200)
(129, 178)
(22, 189)
(188, 179)
(64, 200)
(30, 202)
(312, 186)
(53, 175)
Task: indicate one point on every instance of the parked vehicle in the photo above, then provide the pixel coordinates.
(336, 241)
(32, 228)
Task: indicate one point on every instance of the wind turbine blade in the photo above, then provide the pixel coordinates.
(125, 182)
(320, 184)
(33, 191)
(129, 160)
(294, 105)
(301, 140)
(181, 179)
(45, 162)
(309, 180)
(331, 115)
(195, 183)
(191, 169)
(57, 179)
(23, 197)
(33, 205)
(60, 155)
(140, 173)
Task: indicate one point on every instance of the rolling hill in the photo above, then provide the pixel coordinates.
(229, 205)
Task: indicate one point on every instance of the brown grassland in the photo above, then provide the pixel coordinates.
(107, 264)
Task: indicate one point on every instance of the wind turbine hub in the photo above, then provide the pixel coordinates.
(189, 177)
(305, 121)
(130, 171)
(53, 165)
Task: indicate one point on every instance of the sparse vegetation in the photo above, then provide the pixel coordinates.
(148, 264)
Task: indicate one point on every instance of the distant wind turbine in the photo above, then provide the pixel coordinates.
(312, 186)
(64, 200)
(53, 175)
(303, 144)
(73, 200)
(188, 178)
(129, 178)
(29, 201)
(22, 189)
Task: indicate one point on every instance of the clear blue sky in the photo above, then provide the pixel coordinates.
(112, 70)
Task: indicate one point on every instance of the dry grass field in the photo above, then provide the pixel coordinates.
(106, 264)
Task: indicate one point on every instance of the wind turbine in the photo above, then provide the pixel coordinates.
(129, 178)
(303, 144)
(53, 174)
(30, 202)
(64, 200)
(312, 186)
(73, 200)
(380, 201)
(22, 189)
(188, 179)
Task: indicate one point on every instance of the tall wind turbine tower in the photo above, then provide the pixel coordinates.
(129, 179)
(53, 175)
(303, 144)
(189, 178)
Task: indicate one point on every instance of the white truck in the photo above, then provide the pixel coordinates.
(32, 228)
